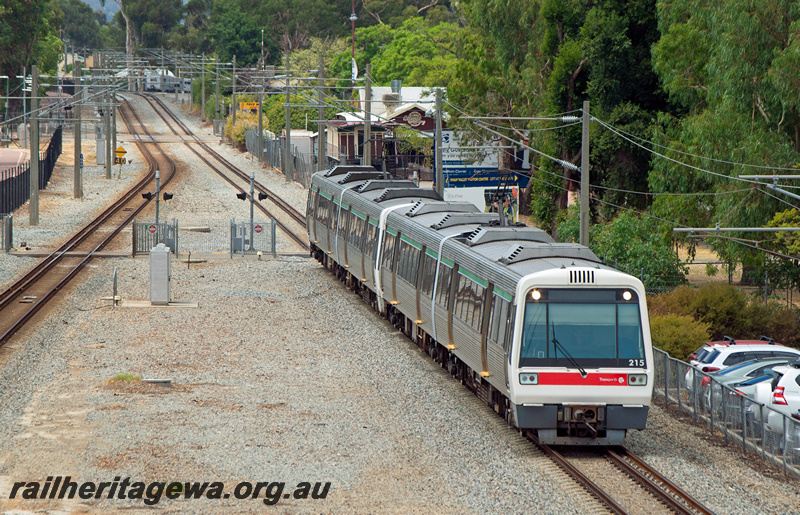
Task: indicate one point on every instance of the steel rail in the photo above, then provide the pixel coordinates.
(276, 199)
(589, 485)
(299, 239)
(39, 273)
(669, 493)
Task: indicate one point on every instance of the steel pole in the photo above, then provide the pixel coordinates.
(252, 201)
(322, 140)
(438, 142)
(287, 165)
(584, 221)
(158, 188)
(34, 202)
(367, 151)
(107, 119)
(77, 182)
(233, 93)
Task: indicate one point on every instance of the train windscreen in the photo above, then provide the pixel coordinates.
(581, 328)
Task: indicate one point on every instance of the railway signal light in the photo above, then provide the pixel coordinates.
(241, 196)
(262, 196)
(168, 196)
(148, 196)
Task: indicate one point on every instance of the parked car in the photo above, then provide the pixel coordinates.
(740, 376)
(785, 400)
(719, 355)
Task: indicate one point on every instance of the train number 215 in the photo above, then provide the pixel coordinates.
(635, 362)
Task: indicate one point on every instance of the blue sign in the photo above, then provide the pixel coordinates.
(477, 178)
(81, 161)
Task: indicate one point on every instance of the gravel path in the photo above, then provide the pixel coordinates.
(280, 375)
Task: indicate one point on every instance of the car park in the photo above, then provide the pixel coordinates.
(784, 417)
(740, 377)
(719, 355)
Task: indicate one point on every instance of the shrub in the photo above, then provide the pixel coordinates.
(676, 302)
(678, 335)
(244, 122)
(722, 307)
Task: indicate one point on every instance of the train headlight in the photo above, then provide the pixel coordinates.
(637, 379)
(536, 295)
(528, 378)
(626, 295)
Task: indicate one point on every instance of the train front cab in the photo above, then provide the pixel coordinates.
(581, 369)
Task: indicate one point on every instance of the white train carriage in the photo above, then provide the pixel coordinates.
(544, 332)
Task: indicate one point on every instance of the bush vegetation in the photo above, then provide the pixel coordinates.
(719, 310)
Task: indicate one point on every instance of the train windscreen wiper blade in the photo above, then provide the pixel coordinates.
(567, 354)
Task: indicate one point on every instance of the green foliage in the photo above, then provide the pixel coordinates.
(300, 117)
(678, 335)
(728, 311)
(29, 31)
(417, 53)
(126, 377)
(635, 244)
(244, 122)
(80, 25)
(732, 68)
(151, 20)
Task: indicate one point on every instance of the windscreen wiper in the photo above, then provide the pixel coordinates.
(567, 354)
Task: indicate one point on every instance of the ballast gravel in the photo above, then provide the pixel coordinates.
(279, 375)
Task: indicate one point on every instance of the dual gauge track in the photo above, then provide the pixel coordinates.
(620, 482)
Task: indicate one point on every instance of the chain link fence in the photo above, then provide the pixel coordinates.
(756, 428)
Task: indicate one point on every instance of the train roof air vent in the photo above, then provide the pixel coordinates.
(581, 276)
(425, 208)
(452, 219)
(395, 193)
(491, 234)
(379, 183)
(359, 176)
(343, 169)
(548, 250)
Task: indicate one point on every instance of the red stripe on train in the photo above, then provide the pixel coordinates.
(574, 378)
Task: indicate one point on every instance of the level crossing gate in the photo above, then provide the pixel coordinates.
(252, 238)
(147, 235)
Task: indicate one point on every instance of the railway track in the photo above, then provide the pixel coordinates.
(622, 482)
(295, 216)
(20, 301)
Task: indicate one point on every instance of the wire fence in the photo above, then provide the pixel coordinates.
(15, 182)
(756, 428)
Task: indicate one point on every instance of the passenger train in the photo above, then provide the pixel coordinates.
(544, 332)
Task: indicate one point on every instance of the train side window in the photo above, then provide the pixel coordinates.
(494, 319)
(443, 286)
(359, 231)
(388, 251)
(312, 196)
(507, 319)
(477, 302)
(428, 274)
(344, 215)
(629, 335)
(372, 239)
(322, 214)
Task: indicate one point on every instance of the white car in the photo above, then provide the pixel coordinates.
(785, 400)
(716, 356)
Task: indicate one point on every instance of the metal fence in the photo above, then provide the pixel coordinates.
(741, 421)
(205, 237)
(303, 165)
(6, 231)
(147, 235)
(15, 183)
(250, 239)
